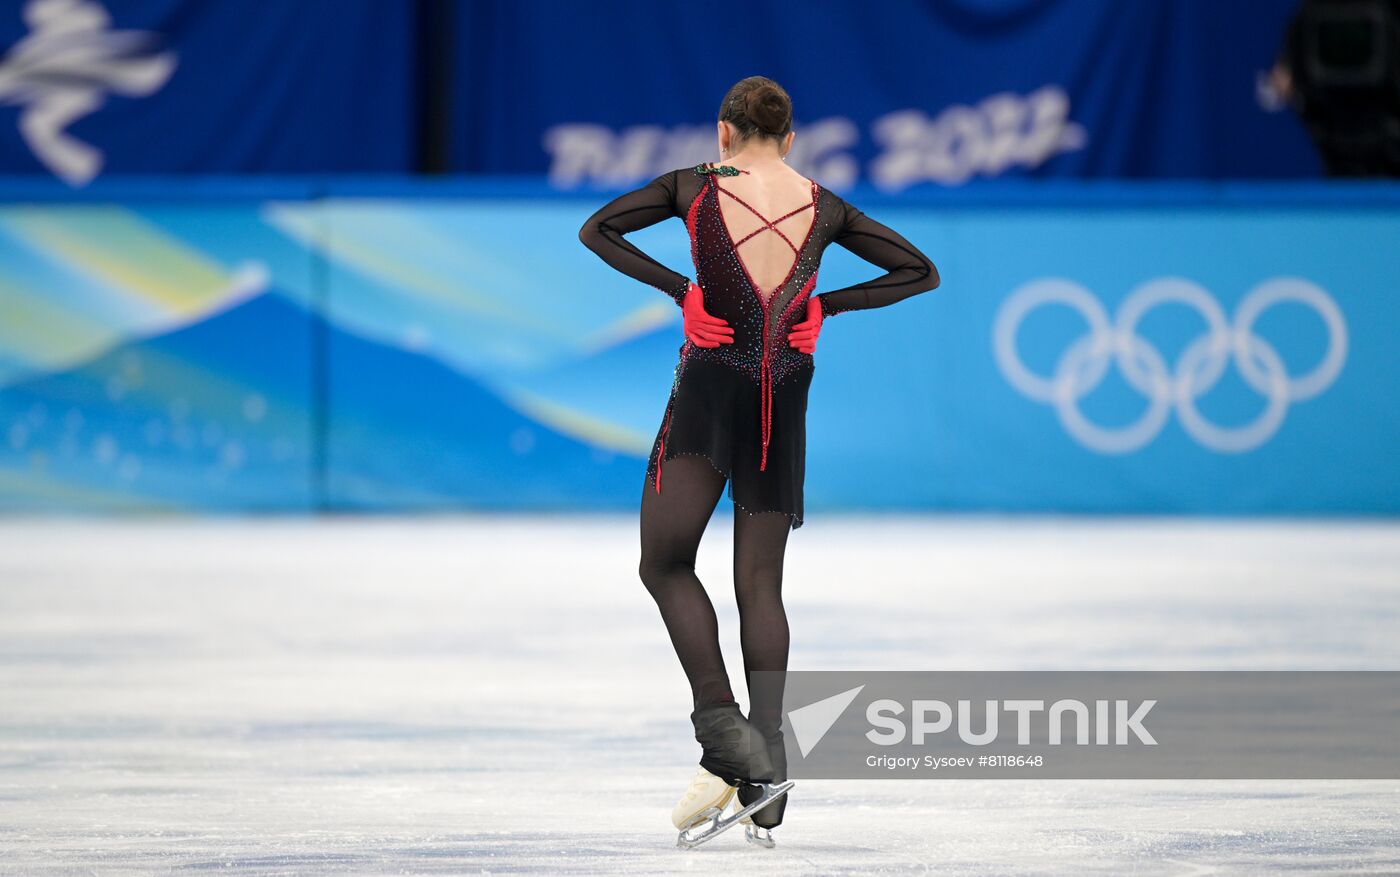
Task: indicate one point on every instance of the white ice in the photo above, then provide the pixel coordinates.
(465, 695)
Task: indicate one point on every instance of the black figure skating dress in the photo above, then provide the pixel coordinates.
(743, 405)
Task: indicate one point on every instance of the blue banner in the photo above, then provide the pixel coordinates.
(1112, 359)
(91, 87)
(1216, 350)
(907, 94)
(898, 94)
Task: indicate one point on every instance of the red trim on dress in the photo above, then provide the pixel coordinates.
(661, 448)
(691, 216)
(801, 296)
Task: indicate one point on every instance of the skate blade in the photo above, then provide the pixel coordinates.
(689, 839)
(759, 836)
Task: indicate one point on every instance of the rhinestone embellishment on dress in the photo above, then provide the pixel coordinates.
(722, 170)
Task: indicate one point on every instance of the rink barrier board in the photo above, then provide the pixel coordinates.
(362, 343)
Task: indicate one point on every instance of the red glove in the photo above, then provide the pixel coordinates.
(703, 329)
(804, 334)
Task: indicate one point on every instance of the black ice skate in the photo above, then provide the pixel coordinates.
(738, 755)
(759, 824)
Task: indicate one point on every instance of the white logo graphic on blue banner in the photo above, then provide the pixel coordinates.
(1001, 132)
(997, 134)
(1178, 386)
(63, 71)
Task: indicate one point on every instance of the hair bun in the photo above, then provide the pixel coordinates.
(768, 108)
(757, 107)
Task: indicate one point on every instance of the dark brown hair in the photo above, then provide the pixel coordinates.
(757, 107)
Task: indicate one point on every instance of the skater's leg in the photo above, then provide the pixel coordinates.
(760, 540)
(672, 523)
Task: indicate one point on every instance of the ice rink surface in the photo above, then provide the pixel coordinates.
(474, 695)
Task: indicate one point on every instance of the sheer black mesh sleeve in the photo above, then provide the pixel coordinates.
(604, 232)
(907, 270)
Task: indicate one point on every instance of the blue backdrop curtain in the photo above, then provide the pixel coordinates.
(213, 86)
(1154, 88)
(900, 93)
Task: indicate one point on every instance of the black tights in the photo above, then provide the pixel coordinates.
(672, 523)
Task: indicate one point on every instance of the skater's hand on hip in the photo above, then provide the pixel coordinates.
(804, 334)
(702, 328)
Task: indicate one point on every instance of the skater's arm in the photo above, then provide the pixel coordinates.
(907, 270)
(604, 233)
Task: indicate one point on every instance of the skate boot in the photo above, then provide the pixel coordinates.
(759, 824)
(737, 755)
(707, 796)
(733, 749)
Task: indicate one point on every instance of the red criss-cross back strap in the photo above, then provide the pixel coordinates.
(768, 224)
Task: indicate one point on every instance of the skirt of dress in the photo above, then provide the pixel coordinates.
(715, 412)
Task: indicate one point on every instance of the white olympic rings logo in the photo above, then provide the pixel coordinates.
(1084, 363)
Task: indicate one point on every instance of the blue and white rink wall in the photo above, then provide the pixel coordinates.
(357, 345)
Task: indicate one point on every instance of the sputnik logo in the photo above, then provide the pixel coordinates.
(811, 722)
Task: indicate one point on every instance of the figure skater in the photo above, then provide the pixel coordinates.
(737, 414)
